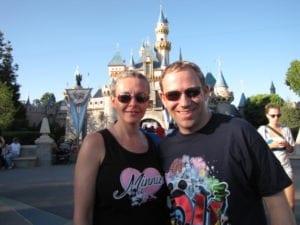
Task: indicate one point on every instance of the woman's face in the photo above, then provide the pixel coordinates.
(273, 115)
(131, 99)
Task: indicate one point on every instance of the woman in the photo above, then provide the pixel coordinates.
(117, 176)
(281, 142)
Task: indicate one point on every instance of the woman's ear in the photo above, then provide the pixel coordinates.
(113, 100)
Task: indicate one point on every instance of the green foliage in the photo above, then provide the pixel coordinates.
(290, 116)
(255, 108)
(8, 76)
(7, 110)
(25, 137)
(293, 77)
(48, 99)
(7, 69)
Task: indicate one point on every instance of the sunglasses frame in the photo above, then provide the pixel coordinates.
(275, 115)
(126, 98)
(189, 92)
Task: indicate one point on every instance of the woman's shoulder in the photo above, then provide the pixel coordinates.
(93, 145)
(261, 128)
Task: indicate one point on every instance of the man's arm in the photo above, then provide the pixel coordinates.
(278, 210)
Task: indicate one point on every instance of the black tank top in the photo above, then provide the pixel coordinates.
(130, 188)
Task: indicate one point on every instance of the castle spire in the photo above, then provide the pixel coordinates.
(131, 65)
(180, 55)
(162, 46)
(272, 88)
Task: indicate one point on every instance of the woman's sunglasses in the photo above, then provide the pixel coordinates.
(275, 115)
(140, 98)
(190, 92)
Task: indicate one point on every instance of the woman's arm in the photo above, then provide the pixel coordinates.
(289, 143)
(88, 161)
(278, 210)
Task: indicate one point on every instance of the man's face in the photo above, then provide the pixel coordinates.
(184, 97)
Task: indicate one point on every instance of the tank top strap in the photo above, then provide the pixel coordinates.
(110, 143)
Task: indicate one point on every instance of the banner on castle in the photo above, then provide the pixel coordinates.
(78, 99)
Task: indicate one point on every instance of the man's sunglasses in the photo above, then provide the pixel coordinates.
(190, 92)
(140, 98)
(275, 115)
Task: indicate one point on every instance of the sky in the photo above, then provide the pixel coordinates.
(254, 41)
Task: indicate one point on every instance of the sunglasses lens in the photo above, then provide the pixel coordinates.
(275, 115)
(125, 98)
(141, 98)
(173, 95)
(192, 92)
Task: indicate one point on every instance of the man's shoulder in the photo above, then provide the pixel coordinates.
(232, 121)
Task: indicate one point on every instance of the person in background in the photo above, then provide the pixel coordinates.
(281, 142)
(218, 168)
(118, 178)
(14, 150)
(2, 152)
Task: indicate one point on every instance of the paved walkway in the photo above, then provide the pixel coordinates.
(17, 213)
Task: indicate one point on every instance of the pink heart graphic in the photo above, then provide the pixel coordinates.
(146, 183)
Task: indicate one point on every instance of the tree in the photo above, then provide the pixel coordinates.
(293, 77)
(255, 108)
(7, 70)
(7, 110)
(48, 99)
(290, 117)
(8, 76)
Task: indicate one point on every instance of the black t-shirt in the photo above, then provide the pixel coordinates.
(130, 187)
(220, 173)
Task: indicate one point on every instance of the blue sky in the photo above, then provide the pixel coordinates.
(254, 40)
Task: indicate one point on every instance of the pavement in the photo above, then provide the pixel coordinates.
(37, 196)
(48, 192)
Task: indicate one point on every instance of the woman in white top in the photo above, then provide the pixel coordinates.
(281, 142)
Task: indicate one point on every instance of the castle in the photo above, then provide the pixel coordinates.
(152, 61)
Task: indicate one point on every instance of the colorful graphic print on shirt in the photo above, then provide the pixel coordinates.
(197, 197)
(140, 187)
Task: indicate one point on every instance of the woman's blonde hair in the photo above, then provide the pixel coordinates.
(127, 74)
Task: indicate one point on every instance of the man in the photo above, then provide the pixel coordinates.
(218, 168)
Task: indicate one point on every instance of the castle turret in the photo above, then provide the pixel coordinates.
(272, 88)
(131, 65)
(116, 65)
(109, 112)
(180, 55)
(162, 46)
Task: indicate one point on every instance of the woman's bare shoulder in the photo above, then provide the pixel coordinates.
(93, 146)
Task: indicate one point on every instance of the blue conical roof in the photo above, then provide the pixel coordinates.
(162, 18)
(221, 81)
(116, 60)
(272, 88)
(242, 101)
(210, 79)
